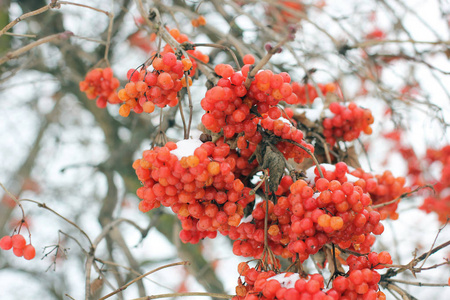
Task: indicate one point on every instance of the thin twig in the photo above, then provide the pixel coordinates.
(43, 205)
(417, 283)
(403, 196)
(238, 66)
(51, 38)
(183, 263)
(186, 294)
(316, 162)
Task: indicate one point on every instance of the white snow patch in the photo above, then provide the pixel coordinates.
(313, 113)
(186, 148)
(351, 178)
(310, 172)
(286, 282)
(247, 219)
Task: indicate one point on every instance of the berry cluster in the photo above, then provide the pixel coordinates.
(439, 202)
(200, 21)
(382, 189)
(225, 103)
(202, 188)
(360, 282)
(158, 87)
(19, 245)
(307, 93)
(347, 123)
(231, 107)
(182, 38)
(305, 218)
(101, 83)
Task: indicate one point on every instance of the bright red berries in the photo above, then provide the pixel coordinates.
(6, 243)
(18, 244)
(101, 83)
(29, 252)
(347, 123)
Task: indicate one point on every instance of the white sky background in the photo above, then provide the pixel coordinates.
(78, 141)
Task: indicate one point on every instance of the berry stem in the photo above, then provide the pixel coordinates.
(264, 61)
(191, 107)
(316, 162)
(238, 66)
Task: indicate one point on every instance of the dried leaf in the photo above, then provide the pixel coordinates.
(351, 158)
(276, 164)
(96, 285)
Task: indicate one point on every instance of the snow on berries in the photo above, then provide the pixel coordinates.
(203, 188)
(101, 85)
(360, 282)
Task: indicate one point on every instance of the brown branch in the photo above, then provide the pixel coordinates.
(27, 15)
(183, 263)
(275, 49)
(371, 43)
(51, 38)
(418, 283)
(238, 66)
(186, 294)
(412, 263)
(43, 205)
(404, 195)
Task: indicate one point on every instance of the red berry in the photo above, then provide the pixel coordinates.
(6, 243)
(18, 241)
(29, 252)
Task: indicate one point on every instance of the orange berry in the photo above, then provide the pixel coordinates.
(273, 230)
(175, 33)
(194, 23)
(131, 90)
(336, 223)
(201, 21)
(193, 161)
(124, 110)
(297, 186)
(122, 94)
(148, 107)
(141, 86)
(213, 168)
(324, 220)
(187, 64)
(183, 81)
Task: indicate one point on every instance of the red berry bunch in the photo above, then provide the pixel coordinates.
(347, 123)
(439, 202)
(356, 284)
(382, 189)
(228, 109)
(407, 152)
(307, 217)
(182, 38)
(101, 83)
(307, 93)
(201, 187)
(159, 87)
(19, 245)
